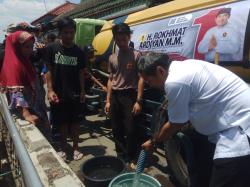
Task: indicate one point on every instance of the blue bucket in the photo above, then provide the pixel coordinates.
(126, 179)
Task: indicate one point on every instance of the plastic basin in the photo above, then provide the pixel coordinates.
(126, 180)
(99, 171)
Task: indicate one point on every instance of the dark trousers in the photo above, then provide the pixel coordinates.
(201, 167)
(231, 172)
(122, 121)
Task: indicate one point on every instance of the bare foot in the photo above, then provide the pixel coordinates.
(32, 119)
(77, 155)
(28, 116)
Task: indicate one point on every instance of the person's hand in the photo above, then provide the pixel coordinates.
(148, 146)
(136, 109)
(107, 108)
(212, 43)
(82, 97)
(39, 45)
(52, 97)
(104, 88)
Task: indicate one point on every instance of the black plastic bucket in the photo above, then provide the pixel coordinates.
(99, 171)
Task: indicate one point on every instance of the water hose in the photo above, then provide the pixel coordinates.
(141, 161)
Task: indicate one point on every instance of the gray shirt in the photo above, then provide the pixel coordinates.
(123, 69)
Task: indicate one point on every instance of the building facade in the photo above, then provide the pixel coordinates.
(107, 9)
(66, 7)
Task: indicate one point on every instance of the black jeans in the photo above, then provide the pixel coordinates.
(122, 121)
(231, 172)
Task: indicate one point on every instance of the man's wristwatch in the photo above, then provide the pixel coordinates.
(139, 101)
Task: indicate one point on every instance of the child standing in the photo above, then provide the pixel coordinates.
(18, 75)
(65, 82)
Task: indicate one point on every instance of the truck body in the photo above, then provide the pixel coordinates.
(178, 28)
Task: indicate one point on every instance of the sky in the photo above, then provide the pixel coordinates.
(15, 11)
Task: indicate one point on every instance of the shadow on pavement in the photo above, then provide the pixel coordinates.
(95, 150)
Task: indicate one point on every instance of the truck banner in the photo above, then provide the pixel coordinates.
(199, 34)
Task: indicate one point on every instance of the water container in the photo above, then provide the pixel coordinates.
(99, 171)
(126, 179)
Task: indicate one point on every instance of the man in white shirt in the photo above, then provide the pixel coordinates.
(215, 101)
(223, 39)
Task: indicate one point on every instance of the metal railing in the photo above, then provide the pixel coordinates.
(22, 168)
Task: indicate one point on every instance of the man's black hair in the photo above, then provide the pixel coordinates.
(121, 28)
(148, 63)
(51, 36)
(64, 23)
(224, 11)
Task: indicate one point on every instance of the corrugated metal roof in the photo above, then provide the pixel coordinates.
(62, 9)
(87, 5)
(66, 7)
(99, 9)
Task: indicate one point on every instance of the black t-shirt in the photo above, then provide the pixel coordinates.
(65, 64)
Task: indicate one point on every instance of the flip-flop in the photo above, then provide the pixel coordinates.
(62, 154)
(132, 166)
(78, 155)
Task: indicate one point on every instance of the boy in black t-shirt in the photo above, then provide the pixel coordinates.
(65, 82)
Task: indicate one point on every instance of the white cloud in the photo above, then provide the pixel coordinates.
(14, 11)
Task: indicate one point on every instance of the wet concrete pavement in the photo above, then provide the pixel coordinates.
(96, 140)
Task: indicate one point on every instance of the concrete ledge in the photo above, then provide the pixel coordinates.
(52, 170)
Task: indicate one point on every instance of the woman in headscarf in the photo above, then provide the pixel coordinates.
(17, 75)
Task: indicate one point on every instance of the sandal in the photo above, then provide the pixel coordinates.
(132, 166)
(62, 154)
(77, 155)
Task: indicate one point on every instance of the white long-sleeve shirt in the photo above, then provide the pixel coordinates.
(216, 101)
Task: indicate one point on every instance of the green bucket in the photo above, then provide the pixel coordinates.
(126, 180)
